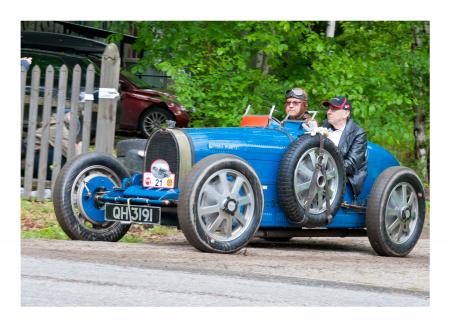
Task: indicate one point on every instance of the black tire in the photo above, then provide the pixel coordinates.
(128, 154)
(292, 204)
(69, 214)
(122, 147)
(153, 119)
(133, 162)
(382, 210)
(208, 173)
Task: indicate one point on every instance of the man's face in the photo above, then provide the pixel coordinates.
(295, 107)
(337, 117)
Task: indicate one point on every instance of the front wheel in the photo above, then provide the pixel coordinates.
(395, 212)
(221, 204)
(78, 213)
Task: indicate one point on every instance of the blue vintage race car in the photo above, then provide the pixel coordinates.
(265, 178)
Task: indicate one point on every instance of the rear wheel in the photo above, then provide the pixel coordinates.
(221, 203)
(153, 119)
(78, 213)
(395, 212)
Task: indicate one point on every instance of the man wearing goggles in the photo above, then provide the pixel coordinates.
(296, 104)
(350, 139)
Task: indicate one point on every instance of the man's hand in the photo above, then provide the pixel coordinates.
(313, 129)
(323, 131)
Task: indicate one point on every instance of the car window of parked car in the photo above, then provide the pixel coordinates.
(135, 80)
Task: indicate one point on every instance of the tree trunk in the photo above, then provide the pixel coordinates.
(420, 146)
(262, 62)
(331, 28)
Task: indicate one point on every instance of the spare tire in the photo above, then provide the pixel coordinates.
(295, 178)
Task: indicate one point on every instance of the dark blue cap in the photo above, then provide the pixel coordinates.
(338, 102)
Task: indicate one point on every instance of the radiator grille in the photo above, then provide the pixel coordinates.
(163, 145)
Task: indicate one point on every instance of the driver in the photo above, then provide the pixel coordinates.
(296, 104)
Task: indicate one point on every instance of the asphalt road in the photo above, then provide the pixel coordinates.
(303, 272)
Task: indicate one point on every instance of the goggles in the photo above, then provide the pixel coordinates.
(297, 93)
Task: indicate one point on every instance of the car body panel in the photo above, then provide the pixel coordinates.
(263, 148)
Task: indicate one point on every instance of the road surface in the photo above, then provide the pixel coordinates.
(302, 272)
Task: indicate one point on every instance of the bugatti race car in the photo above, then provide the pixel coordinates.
(265, 178)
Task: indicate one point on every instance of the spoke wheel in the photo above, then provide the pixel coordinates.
(226, 205)
(80, 200)
(220, 205)
(303, 178)
(402, 212)
(154, 119)
(395, 212)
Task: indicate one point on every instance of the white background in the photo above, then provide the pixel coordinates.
(11, 15)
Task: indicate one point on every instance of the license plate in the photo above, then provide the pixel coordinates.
(132, 214)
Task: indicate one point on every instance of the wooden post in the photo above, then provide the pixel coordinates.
(74, 121)
(43, 154)
(23, 80)
(32, 118)
(108, 96)
(62, 90)
(87, 114)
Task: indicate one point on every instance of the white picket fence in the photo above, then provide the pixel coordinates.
(49, 104)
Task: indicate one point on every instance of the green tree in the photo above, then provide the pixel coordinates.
(221, 67)
(387, 76)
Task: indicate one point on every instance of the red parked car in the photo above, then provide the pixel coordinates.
(145, 109)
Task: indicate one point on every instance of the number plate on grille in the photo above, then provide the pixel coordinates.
(149, 180)
(132, 214)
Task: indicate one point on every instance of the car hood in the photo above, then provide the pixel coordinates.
(155, 94)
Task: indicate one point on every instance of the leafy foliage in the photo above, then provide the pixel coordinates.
(221, 67)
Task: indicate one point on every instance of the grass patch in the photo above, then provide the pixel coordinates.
(38, 220)
(51, 233)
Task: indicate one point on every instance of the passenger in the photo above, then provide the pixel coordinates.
(350, 139)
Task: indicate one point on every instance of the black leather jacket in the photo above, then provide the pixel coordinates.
(353, 147)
